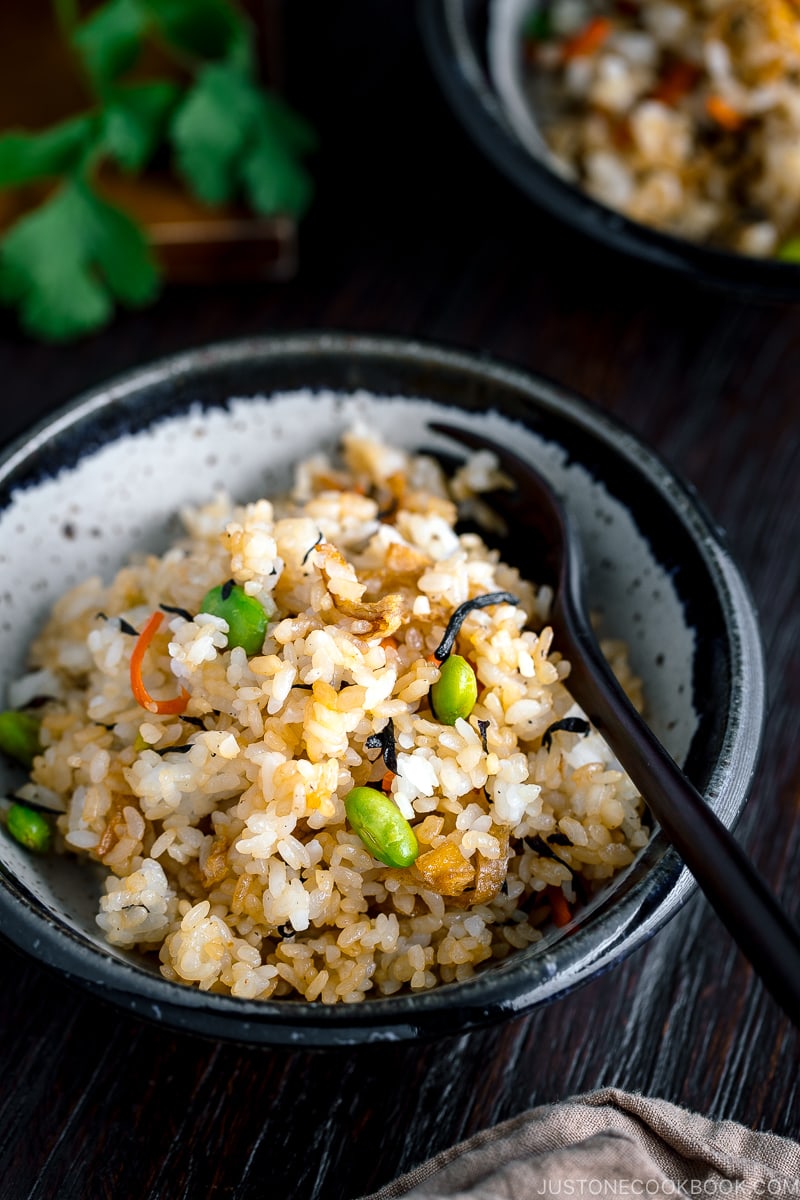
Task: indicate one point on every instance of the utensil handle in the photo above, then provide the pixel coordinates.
(736, 891)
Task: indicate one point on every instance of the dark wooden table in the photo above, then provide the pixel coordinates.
(413, 233)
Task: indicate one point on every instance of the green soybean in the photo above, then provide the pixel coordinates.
(247, 621)
(19, 735)
(29, 828)
(789, 251)
(455, 691)
(381, 826)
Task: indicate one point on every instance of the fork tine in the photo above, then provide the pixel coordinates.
(540, 540)
(533, 495)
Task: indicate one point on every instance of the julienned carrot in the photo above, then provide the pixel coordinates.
(587, 40)
(141, 695)
(559, 907)
(724, 113)
(386, 782)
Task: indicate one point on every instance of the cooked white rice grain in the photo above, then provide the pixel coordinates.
(223, 826)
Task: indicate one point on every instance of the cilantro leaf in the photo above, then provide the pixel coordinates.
(28, 156)
(207, 29)
(210, 131)
(274, 181)
(228, 135)
(66, 15)
(110, 40)
(63, 263)
(287, 125)
(42, 271)
(134, 120)
(116, 247)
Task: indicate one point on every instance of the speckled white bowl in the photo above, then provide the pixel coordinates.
(106, 476)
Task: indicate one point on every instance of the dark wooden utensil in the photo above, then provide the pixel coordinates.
(741, 899)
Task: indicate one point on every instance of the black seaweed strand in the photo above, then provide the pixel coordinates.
(581, 891)
(193, 721)
(540, 847)
(184, 749)
(545, 850)
(567, 725)
(38, 701)
(310, 548)
(483, 726)
(309, 687)
(445, 647)
(226, 589)
(42, 808)
(385, 740)
(124, 626)
(178, 612)
(389, 748)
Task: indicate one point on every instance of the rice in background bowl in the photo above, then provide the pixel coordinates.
(680, 114)
(174, 426)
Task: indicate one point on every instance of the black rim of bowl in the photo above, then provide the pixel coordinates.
(631, 913)
(463, 79)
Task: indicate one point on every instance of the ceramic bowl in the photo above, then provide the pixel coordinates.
(458, 35)
(104, 477)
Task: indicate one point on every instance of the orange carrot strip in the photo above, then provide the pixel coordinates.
(558, 904)
(588, 40)
(389, 643)
(676, 82)
(140, 692)
(724, 114)
(433, 660)
(386, 782)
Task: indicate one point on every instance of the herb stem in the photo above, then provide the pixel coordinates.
(66, 14)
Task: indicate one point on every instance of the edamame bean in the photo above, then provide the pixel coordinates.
(789, 251)
(29, 828)
(247, 621)
(381, 826)
(455, 691)
(19, 735)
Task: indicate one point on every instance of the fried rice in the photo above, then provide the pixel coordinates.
(222, 827)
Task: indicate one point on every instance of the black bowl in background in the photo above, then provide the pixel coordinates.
(455, 35)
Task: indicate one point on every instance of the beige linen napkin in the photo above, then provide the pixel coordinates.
(608, 1144)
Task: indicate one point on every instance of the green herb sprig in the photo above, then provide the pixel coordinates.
(64, 264)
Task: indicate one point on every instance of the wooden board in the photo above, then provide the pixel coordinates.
(40, 83)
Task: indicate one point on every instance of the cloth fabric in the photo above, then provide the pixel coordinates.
(605, 1144)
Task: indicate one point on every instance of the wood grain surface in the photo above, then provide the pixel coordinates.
(413, 233)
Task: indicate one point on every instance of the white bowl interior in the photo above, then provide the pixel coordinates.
(124, 499)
